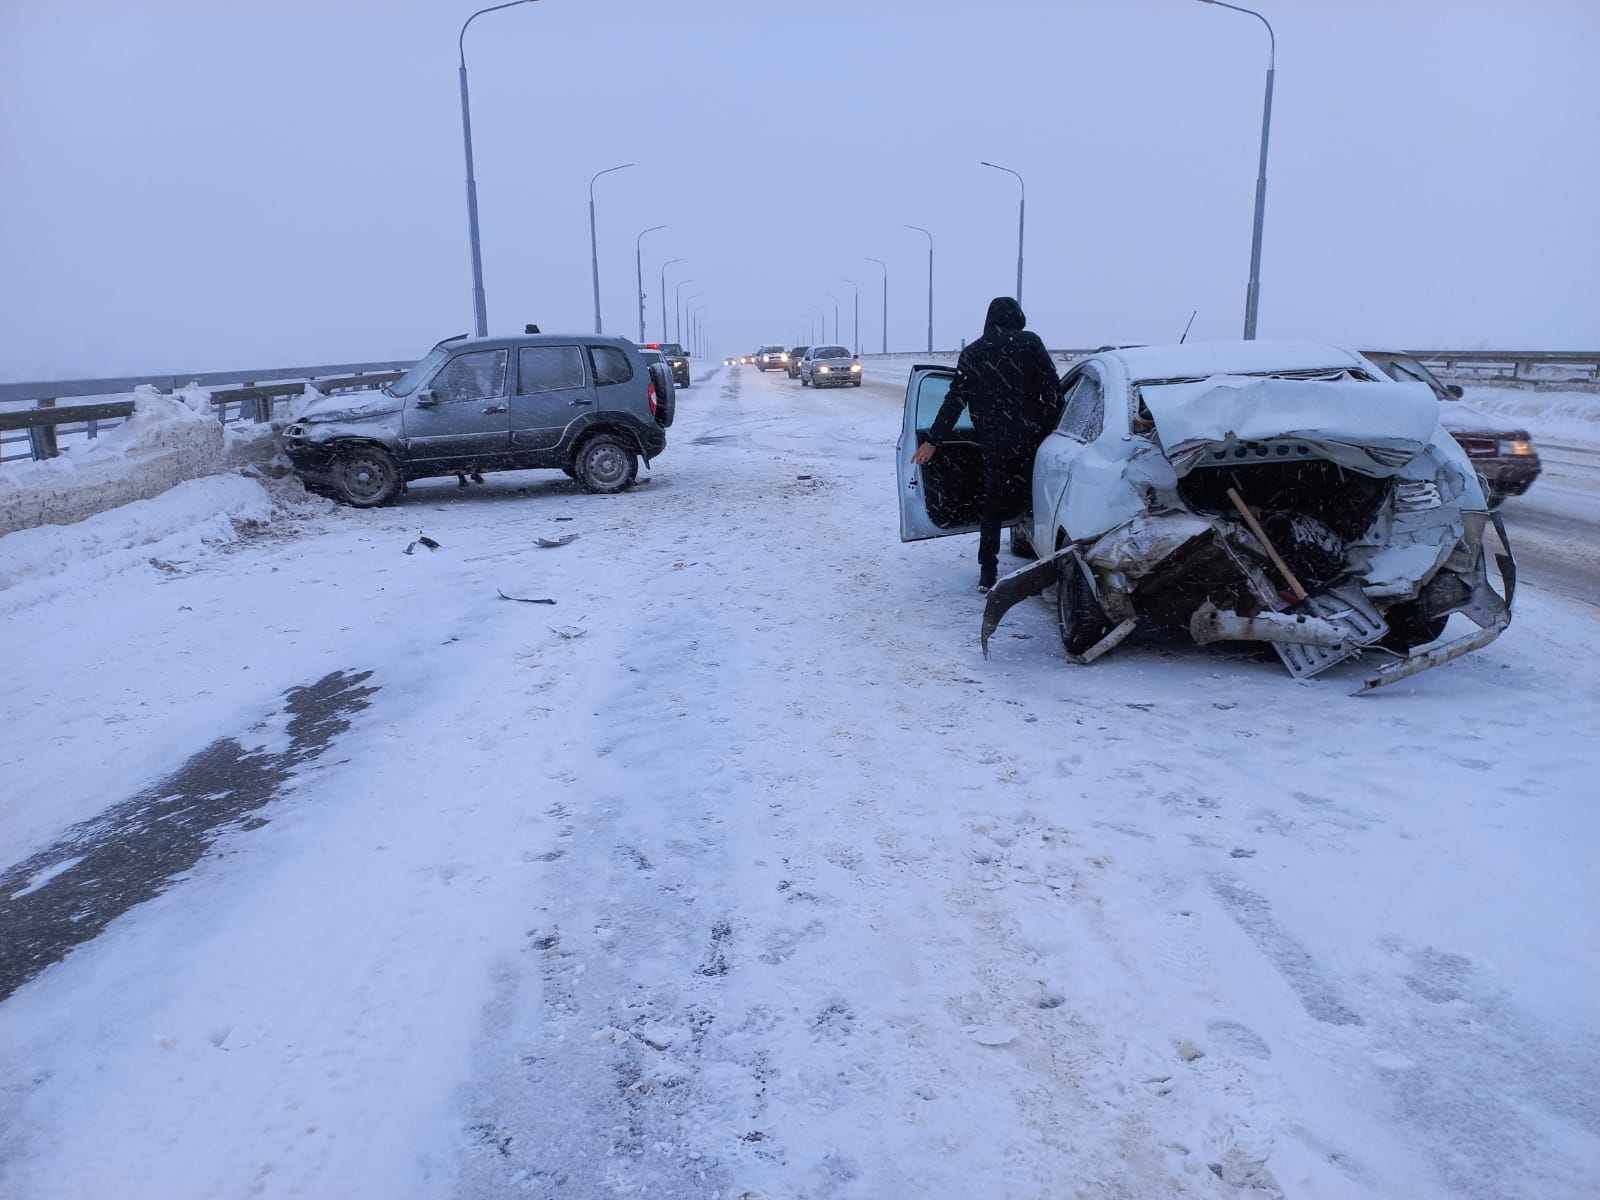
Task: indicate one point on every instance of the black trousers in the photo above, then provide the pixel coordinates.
(1007, 487)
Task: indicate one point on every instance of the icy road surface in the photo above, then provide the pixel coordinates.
(327, 872)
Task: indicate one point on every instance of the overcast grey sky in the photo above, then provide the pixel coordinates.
(211, 185)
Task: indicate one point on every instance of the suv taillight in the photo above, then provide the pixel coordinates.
(652, 397)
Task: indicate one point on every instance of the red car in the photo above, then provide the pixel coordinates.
(1503, 454)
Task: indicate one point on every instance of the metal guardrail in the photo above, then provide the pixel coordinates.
(46, 422)
(1547, 369)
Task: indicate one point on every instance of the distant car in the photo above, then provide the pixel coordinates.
(676, 358)
(580, 403)
(728, 362)
(746, 359)
(770, 358)
(830, 366)
(792, 366)
(1284, 493)
(1502, 453)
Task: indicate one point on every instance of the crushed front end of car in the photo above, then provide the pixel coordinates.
(1324, 517)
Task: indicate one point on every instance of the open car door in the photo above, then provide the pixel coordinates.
(945, 496)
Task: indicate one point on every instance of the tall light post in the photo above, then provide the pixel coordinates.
(1253, 293)
(594, 245)
(855, 346)
(480, 309)
(920, 229)
(1022, 208)
(677, 310)
(835, 300)
(885, 267)
(664, 267)
(822, 316)
(638, 271)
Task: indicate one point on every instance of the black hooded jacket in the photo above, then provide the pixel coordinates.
(1006, 380)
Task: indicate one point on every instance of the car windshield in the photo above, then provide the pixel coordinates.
(408, 382)
(833, 352)
(1409, 370)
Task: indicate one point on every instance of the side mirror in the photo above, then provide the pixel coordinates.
(1455, 390)
(426, 398)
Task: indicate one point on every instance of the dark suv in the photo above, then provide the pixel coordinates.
(580, 403)
(676, 358)
(796, 353)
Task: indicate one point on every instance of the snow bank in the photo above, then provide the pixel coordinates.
(167, 440)
(39, 564)
(1562, 416)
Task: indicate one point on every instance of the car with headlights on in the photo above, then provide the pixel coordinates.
(770, 358)
(1502, 453)
(1289, 494)
(792, 363)
(584, 404)
(830, 366)
(675, 358)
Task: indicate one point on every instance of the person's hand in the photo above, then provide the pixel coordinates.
(924, 454)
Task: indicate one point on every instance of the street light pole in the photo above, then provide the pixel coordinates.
(594, 245)
(1022, 206)
(855, 346)
(664, 267)
(920, 229)
(480, 310)
(885, 267)
(1253, 293)
(677, 311)
(638, 271)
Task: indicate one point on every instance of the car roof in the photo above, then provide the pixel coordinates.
(534, 339)
(1201, 359)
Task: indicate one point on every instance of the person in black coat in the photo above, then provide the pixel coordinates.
(1007, 381)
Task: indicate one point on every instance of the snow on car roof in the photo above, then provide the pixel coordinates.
(1199, 360)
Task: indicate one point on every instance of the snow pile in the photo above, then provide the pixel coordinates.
(1573, 416)
(168, 439)
(51, 561)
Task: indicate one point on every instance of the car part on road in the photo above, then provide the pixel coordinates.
(422, 540)
(552, 543)
(525, 599)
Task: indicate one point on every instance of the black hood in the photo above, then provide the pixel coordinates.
(1004, 313)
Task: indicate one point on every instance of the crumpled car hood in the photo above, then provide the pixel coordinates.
(1400, 418)
(361, 407)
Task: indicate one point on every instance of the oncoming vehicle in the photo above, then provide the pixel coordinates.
(1503, 454)
(792, 363)
(584, 404)
(675, 357)
(1285, 493)
(728, 362)
(770, 358)
(830, 366)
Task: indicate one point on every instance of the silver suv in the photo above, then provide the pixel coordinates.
(579, 403)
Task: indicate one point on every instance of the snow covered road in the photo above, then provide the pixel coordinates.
(739, 871)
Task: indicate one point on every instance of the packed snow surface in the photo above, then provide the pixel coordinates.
(738, 870)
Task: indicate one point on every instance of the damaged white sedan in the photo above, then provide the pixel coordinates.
(1278, 492)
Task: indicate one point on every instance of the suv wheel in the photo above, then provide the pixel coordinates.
(366, 476)
(606, 464)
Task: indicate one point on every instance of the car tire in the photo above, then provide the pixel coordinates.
(1409, 627)
(1079, 618)
(605, 464)
(366, 476)
(855, 383)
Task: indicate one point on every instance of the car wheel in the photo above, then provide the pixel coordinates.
(1409, 627)
(856, 383)
(1078, 615)
(606, 464)
(366, 476)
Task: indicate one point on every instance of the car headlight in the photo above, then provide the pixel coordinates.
(824, 370)
(784, 357)
(855, 366)
(1516, 446)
